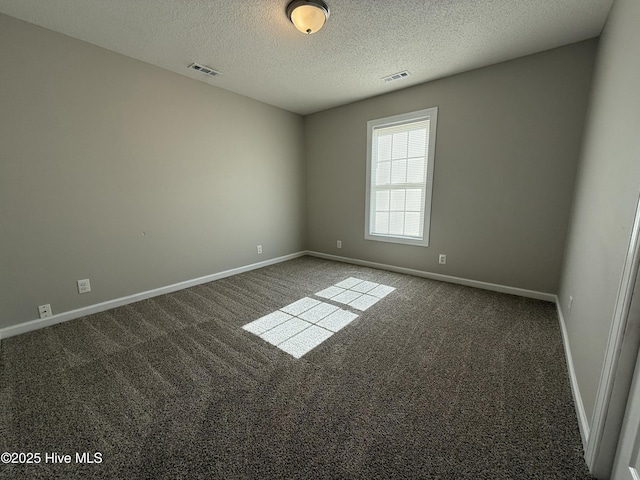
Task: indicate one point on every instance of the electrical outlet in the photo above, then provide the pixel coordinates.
(570, 303)
(45, 311)
(339, 243)
(84, 286)
(442, 259)
(259, 249)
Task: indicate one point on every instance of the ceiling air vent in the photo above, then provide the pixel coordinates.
(396, 76)
(204, 69)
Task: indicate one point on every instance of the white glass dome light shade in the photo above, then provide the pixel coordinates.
(308, 16)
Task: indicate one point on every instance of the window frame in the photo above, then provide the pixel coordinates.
(392, 121)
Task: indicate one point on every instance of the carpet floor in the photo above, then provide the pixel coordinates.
(435, 381)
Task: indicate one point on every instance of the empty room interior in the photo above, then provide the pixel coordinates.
(341, 240)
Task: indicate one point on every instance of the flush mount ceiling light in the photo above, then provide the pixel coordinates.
(308, 16)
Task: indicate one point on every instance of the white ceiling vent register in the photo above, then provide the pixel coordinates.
(204, 69)
(396, 76)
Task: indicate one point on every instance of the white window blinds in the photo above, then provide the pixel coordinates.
(400, 170)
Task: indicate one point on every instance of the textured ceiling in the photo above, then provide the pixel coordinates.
(261, 55)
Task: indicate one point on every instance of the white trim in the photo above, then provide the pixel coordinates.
(100, 307)
(583, 421)
(118, 302)
(549, 297)
(614, 343)
(397, 120)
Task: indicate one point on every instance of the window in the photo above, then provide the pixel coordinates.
(400, 153)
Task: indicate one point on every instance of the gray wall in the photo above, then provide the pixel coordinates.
(96, 148)
(507, 149)
(606, 194)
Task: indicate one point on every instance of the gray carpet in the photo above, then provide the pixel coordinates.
(435, 381)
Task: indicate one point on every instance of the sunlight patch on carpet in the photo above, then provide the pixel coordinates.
(356, 293)
(301, 326)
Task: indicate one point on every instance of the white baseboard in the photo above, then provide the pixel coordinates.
(118, 302)
(100, 307)
(583, 421)
(549, 297)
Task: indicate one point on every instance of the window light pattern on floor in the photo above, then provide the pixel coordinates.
(303, 325)
(356, 293)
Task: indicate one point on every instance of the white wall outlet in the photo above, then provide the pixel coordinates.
(570, 303)
(84, 286)
(45, 311)
(339, 244)
(442, 259)
(259, 249)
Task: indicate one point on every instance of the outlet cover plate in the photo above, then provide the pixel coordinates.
(45, 311)
(84, 286)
